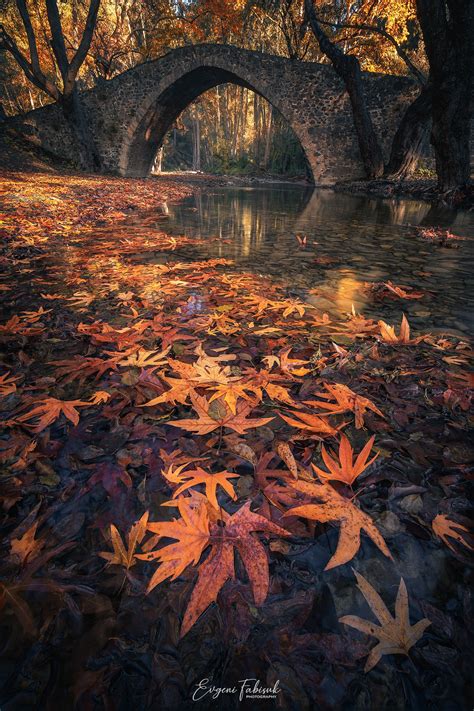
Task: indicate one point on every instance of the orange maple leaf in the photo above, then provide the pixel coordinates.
(121, 555)
(82, 367)
(7, 384)
(179, 392)
(231, 392)
(99, 397)
(192, 533)
(34, 316)
(145, 359)
(345, 400)
(194, 477)
(314, 424)
(346, 470)
(290, 306)
(259, 301)
(358, 325)
(291, 365)
(444, 528)
(211, 418)
(277, 392)
(206, 370)
(49, 410)
(334, 507)
(402, 292)
(81, 298)
(389, 336)
(27, 547)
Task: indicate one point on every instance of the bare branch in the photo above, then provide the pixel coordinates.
(35, 77)
(30, 34)
(86, 40)
(57, 37)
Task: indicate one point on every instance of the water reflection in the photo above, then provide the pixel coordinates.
(351, 240)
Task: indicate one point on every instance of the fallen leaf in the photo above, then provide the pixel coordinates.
(346, 470)
(395, 634)
(27, 547)
(194, 477)
(444, 528)
(334, 507)
(121, 555)
(210, 420)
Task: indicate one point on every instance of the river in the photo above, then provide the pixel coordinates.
(350, 242)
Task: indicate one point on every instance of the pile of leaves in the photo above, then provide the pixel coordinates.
(205, 477)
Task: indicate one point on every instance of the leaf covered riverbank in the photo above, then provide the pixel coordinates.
(194, 460)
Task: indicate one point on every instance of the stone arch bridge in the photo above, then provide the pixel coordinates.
(130, 114)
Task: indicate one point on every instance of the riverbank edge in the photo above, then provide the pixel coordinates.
(417, 188)
(23, 157)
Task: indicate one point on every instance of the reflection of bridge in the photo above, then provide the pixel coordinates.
(130, 114)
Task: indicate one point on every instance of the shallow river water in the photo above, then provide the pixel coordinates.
(350, 240)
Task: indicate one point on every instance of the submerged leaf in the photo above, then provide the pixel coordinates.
(395, 634)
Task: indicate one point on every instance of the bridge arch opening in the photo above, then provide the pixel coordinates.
(232, 130)
(147, 132)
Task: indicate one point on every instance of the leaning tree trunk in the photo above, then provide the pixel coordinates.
(347, 66)
(411, 135)
(448, 33)
(368, 143)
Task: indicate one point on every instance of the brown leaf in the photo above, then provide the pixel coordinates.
(27, 547)
(445, 529)
(395, 634)
(121, 555)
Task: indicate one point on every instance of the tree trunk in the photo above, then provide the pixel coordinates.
(368, 144)
(410, 137)
(348, 68)
(196, 145)
(268, 138)
(73, 111)
(158, 161)
(448, 33)
(450, 136)
(236, 116)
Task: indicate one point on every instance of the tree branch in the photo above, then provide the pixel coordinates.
(25, 17)
(57, 37)
(419, 76)
(86, 40)
(342, 62)
(35, 77)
